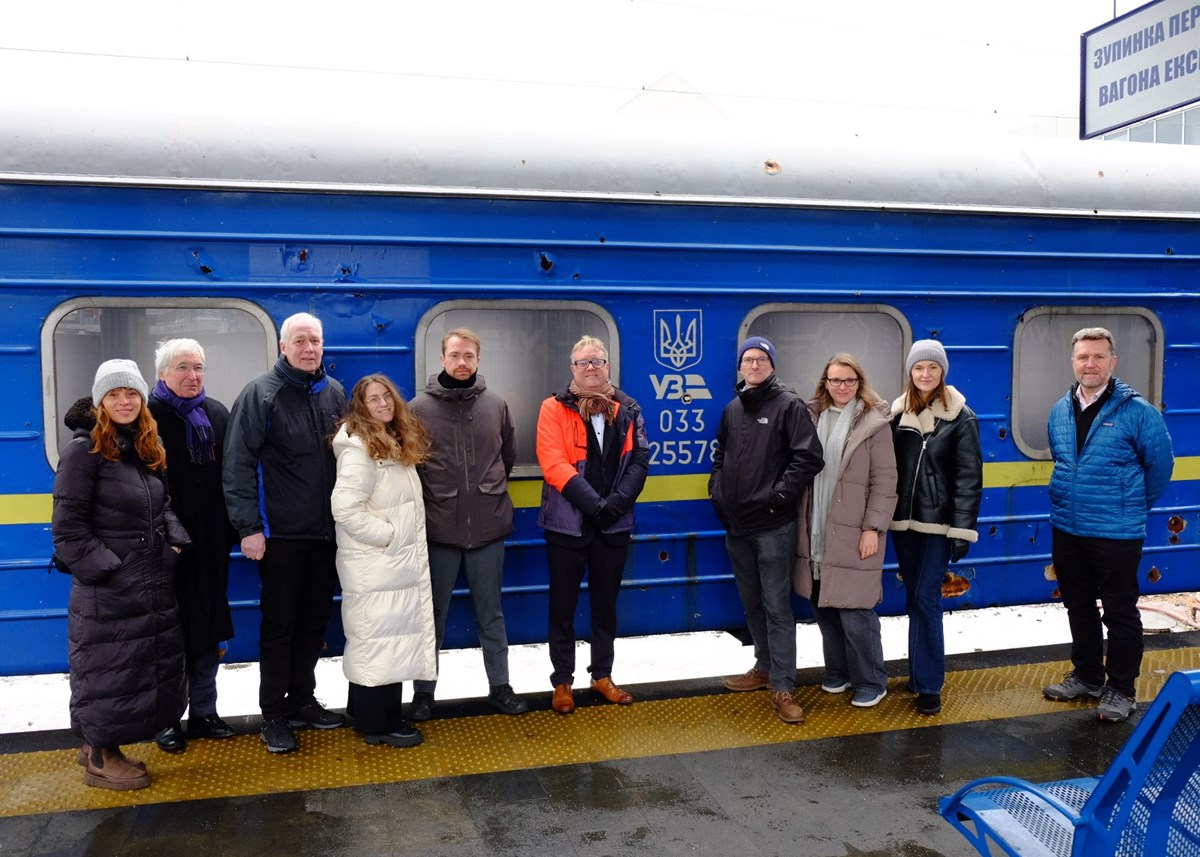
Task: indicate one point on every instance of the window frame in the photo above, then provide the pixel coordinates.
(1157, 358)
(422, 369)
(50, 414)
(840, 309)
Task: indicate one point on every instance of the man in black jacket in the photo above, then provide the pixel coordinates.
(767, 454)
(278, 475)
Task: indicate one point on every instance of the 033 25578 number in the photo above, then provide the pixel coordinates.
(685, 451)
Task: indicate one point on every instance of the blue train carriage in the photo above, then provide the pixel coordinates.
(127, 221)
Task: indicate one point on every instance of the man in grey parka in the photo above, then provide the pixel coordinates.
(467, 508)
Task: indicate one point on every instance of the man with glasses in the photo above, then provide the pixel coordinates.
(766, 456)
(191, 426)
(467, 508)
(591, 445)
(279, 472)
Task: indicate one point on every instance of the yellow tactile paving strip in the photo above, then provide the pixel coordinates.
(50, 781)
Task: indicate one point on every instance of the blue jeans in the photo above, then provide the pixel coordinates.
(762, 568)
(923, 558)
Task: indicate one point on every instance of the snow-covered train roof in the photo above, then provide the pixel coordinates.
(109, 120)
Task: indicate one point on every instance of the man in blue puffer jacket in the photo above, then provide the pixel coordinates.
(1112, 461)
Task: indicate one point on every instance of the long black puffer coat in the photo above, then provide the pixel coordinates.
(113, 529)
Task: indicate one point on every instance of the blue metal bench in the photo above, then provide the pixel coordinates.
(1147, 803)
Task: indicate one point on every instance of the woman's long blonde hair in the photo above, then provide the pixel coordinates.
(145, 442)
(863, 391)
(404, 439)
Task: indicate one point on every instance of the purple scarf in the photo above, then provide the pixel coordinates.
(201, 440)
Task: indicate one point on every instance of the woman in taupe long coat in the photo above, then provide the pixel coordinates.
(843, 516)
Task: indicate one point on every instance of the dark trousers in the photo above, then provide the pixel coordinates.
(762, 570)
(298, 582)
(852, 642)
(484, 567)
(604, 563)
(376, 710)
(1106, 569)
(202, 666)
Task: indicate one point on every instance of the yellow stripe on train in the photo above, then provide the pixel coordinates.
(527, 493)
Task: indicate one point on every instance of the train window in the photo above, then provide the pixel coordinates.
(807, 335)
(239, 339)
(1042, 366)
(526, 347)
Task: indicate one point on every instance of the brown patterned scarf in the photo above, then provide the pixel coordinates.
(596, 402)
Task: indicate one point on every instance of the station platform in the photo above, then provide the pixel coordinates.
(688, 769)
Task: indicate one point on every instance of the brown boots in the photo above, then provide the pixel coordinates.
(110, 769)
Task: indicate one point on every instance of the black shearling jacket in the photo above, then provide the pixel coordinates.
(940, 469)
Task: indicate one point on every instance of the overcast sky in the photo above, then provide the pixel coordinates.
(1008, 67)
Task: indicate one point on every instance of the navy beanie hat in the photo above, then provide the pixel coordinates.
(762, 344)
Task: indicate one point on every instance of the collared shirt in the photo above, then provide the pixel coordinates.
(1084, 400)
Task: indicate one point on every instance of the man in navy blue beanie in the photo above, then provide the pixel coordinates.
(766, 457)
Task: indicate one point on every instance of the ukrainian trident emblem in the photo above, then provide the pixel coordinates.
(678, 335)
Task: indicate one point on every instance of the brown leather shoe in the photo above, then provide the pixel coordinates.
(788, 709)
(114, 772)
(754, 679)
(606, 688)
(564, 699)
(81, 758)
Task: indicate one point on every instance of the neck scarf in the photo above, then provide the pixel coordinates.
(596, 402)
(833, 427)
(201, 440)
(451, 383)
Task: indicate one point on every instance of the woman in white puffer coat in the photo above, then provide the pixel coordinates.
(382, 559)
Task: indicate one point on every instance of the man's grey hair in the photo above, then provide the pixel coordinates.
(1094, 334)
(300, 318)
(584, 342)
(170, 350)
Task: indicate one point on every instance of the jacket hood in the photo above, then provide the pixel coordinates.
(81, 415)
(342, 441)
(924, 421)
(752, 397)
(298, 377)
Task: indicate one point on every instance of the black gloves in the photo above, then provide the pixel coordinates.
(607, 515)
(958, 549)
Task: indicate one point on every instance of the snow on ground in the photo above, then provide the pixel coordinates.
(35, 703)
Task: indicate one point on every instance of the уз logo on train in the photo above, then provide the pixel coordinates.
(678, 337)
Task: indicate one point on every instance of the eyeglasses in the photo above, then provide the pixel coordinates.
(198, 368)
(755, 361)
(599, 363)
(376, 401)
(842, 382)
